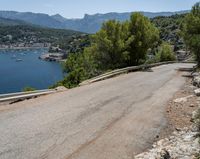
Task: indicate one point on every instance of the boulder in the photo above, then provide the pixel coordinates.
(164, 154)
(183, 99)
(197, 92)
(195, 74)
(182, 144)
(61, 88)
(196, 81)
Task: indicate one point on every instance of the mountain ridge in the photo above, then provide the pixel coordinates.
(88, 24)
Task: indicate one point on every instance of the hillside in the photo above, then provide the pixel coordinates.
(88, 24)
(27, 36)
(10, 22)
(170, 29)
(33, 18)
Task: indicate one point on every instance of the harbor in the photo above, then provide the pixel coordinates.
(22, 68)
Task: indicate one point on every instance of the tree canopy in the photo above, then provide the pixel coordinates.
(109, 44)
(191, 31)
(165, 53)
(142, 36)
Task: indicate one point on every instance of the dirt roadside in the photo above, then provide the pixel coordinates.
(179, 109)
(179, 138)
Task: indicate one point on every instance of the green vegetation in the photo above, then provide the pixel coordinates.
(116, 45)
(72, 44)
(165, 53)
(191, 31)
(191, 34)
(108, 45)
(169, 28)
(27, 34)
(134, 42)
(62, 41)
(142, 36)
(28, 89)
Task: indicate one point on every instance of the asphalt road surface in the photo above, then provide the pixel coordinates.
(111, 119)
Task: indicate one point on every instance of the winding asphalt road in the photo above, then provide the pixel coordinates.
(111, 119)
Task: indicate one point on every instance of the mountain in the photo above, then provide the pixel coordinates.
(10, 22)
(92, 23)
(88, 24)
(33, 18)
(59, 18)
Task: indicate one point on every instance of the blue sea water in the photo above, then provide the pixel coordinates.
(22, 68)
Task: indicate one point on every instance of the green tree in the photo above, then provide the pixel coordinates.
(74, 66)
(165, 53)
(142, 36)
(109, 44)
(79, 66)
(191, 31)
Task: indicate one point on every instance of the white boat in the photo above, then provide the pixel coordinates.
(19, 60)
(13, 57)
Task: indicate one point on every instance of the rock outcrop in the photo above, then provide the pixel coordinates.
(182, 144)
(196, 81)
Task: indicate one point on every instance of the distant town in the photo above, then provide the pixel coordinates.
(58, 42)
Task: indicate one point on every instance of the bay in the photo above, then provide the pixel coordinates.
(22, 68)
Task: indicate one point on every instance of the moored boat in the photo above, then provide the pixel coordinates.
(19, 60)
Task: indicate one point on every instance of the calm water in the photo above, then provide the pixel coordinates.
(31, 71)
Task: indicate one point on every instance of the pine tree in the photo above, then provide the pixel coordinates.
(191, 31)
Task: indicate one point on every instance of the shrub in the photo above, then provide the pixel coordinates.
(28, 89)
(165, 53)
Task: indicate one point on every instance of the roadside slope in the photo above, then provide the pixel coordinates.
(111, 119)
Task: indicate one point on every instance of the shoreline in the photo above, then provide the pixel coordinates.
(23, 48)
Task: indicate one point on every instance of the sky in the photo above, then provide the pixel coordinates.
(77, 8)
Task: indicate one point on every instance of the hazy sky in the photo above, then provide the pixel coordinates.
(77, 8)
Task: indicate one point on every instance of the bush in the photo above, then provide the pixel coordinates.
(28, 89)
(165, 53)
